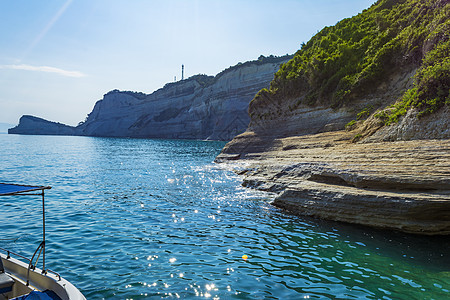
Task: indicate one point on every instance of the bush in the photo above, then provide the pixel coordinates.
(358, 54)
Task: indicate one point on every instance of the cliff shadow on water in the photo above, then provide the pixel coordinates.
(422, 251)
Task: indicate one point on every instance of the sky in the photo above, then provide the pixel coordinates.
(58, 57)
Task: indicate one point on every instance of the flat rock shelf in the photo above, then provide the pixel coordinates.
(402, 185)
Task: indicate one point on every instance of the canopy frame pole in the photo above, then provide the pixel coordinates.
(43, 231)
(28, 190)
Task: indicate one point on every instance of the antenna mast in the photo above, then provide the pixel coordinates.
(182, 72)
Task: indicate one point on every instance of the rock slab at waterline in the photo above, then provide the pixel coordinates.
(402, 185)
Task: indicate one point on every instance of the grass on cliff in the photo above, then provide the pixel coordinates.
(431, 88)
(356, 55)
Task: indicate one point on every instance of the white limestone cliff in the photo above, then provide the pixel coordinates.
(200, 107)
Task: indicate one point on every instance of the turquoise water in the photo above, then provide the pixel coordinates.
(138, 219)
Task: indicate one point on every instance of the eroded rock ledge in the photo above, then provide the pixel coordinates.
(403, 185)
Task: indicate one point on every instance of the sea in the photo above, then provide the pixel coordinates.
(152, 219)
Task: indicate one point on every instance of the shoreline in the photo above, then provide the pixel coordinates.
(400, 185)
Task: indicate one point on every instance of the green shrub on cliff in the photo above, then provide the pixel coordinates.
(431, 88)
(353, 57)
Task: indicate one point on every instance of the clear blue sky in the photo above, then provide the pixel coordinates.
(58, 57)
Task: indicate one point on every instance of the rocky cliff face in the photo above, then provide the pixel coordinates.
(273, 118)
(201, 107)
(355, 127)
(183, 110)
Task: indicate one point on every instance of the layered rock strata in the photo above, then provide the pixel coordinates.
(355, 127)
(200, 107)
(403, 185)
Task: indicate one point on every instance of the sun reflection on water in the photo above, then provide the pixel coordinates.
(156, 219)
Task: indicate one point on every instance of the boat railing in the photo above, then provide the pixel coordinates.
(56, 273)
(8, 254)
(31, 265)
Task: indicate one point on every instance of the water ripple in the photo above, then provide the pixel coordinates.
(137, 219)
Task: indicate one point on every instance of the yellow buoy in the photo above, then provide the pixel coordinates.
(244, 257)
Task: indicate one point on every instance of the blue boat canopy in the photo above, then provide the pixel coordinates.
(8, 189)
